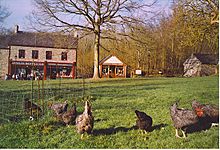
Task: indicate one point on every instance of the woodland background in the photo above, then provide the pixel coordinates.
(162, 43)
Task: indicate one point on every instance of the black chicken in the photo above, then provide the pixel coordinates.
(85, 121)
(182, 118)
(212, 111)
(59, 108)
(69, 116)
(31, 108)
(144, 122)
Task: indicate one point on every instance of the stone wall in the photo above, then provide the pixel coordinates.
(200, 70)
(56, 56)
(192, 69)
(4, 53)
(208, 70)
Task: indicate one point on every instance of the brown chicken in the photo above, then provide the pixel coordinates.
(212, 111)
(85, 121)
(31, 108)
(69, 116)
(59, 109)
(144, 122)
(183, 118)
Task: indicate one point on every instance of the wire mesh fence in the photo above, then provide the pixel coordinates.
(39, 92)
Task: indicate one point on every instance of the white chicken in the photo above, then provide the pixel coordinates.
(85, 121)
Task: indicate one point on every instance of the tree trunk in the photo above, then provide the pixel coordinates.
(96, 53)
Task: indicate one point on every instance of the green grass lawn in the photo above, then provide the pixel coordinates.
(113, 110)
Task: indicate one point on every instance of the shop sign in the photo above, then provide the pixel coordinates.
(27, 63)
(67, 65)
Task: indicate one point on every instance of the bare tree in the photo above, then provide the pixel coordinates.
(91, 16)
(4, 13)
(204, 7)
(215, 10)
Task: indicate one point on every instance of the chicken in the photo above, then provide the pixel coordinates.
(59, 108)
(211, 111)
(182, 118)
(85, 121)
(31, 108)
(69, 116)
(144, 122)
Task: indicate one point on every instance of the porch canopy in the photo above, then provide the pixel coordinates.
(112, 67)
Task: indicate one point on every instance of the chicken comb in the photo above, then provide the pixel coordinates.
(199, 112)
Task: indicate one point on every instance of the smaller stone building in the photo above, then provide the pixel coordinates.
(201, 65)
(33, 54)
(112, 67)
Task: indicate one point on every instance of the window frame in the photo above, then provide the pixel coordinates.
(49, 56)
(63, 56)
(33, 54)
(21, 53)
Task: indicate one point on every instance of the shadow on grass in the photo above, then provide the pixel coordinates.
(113, 130)
(17, 118)
(56, 123)
(110, 131)
(158, 127)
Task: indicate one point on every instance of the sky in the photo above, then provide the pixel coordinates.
(20, 9)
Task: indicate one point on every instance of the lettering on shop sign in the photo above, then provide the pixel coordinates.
(39, 64)
(27, 63)
(67, 65)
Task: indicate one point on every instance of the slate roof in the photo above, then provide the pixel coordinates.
(208, 58)
(4, 40)
(34, 39)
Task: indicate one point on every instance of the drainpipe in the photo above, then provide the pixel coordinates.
(9, 60)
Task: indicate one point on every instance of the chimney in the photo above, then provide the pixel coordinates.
(75, 34)
(16, 29)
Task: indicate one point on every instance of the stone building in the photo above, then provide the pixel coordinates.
(201, 65)
(32, 54)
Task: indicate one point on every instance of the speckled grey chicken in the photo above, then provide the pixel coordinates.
(85, 121)
(31, 108)
(212, 111)
(182, 118)
(69, 116)
(59, 108)
(143, 122)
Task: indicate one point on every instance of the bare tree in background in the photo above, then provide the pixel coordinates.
(4, 13)
(214, 4)
(203, 7)
(91, 16)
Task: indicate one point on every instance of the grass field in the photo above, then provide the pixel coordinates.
(113, 110)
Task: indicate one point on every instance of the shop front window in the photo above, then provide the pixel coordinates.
(119, 71)
(54, 71)
(104, 70)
